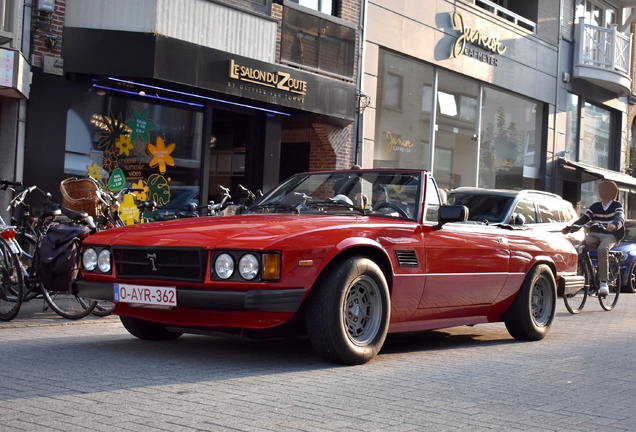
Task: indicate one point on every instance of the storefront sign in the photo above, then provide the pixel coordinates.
(396, 144)
(475, 37)
(277, 80)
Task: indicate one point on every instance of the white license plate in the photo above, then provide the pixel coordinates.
(147, 295)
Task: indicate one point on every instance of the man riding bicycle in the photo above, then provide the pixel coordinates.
(609, 213)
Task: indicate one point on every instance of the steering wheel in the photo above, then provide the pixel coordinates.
(391, 206)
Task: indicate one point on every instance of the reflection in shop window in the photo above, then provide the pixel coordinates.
(596, 136)
(447, 104)
(393, 91)
(572, 128)
(508, 123)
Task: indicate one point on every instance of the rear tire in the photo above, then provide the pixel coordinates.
(348, 312)
(533, 311)
(147, 330)
(11, 283)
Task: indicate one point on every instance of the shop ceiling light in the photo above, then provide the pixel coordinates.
(194, 95)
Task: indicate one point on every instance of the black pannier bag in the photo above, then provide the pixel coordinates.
(59, 256)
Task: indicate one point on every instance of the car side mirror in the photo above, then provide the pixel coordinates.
(518, 219)
(451, 213)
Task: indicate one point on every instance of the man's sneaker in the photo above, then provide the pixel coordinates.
(603, 290)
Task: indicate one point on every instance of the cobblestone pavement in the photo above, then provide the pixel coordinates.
(78, 377)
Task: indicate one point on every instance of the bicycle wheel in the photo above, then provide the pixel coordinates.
(67, 305)
(11, 284)
(103, 308)
(613, 283)
(574, 302)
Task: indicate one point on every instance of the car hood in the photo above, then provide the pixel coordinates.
(247, 231)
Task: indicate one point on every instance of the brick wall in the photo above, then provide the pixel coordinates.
(48, 25)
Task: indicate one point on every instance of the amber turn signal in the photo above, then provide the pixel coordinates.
(271, 266)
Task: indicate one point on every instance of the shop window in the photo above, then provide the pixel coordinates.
(508, 123)
(523, 13)
(318, 43)
(510, 152)
(597, 126)
(455, 146)
(404, 102)
(572, 127)
(127, 143)
(393, 91)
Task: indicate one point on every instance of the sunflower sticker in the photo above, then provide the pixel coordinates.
(161, 155)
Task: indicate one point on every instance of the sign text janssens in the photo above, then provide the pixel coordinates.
(473, 36)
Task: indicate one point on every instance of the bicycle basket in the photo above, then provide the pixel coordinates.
(80, 195)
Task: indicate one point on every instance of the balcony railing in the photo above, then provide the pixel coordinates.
(603, 56)
(508, 15)
(604, 47)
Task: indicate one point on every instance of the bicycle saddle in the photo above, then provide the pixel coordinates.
(74, 215)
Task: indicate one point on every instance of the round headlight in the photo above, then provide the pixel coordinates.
(89, 259)
(103, 261)
(224, 266)
(248, 266)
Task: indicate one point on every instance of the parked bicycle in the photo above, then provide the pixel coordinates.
(575, 301)
(50, 253)
(11, 282)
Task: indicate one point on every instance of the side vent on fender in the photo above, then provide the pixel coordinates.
(407, 258)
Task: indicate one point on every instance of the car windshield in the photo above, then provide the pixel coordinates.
(484, 208)
(369, 193)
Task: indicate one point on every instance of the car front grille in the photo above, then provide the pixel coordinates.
(164, 263)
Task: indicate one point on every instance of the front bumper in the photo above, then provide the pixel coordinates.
(253, 300)
(570, 284)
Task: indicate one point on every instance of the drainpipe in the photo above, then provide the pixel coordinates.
(556, 101)
(358, 123)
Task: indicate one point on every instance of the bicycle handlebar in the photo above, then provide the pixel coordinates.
(4, 184)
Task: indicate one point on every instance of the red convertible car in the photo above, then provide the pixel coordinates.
(343, 257)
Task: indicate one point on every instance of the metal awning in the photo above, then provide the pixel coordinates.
(590, 172)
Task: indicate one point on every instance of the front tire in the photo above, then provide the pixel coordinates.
(348, 312)
(147, 330)
(533, 311)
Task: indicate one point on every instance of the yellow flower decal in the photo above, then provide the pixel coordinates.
(161, 155)
(94, 171)
(141, 196)
(124, 145)
(128, 210)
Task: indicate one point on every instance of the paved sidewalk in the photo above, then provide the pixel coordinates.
(36, 313)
